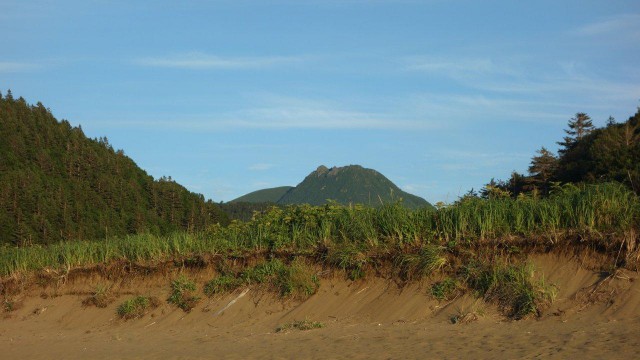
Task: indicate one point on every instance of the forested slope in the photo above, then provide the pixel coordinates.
(57, 184)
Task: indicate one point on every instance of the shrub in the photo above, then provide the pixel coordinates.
(512, 287)
(137, 307)
(298, 280)
(182, 294)
(445, 289)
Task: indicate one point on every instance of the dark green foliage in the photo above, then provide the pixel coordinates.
(182, 294)
(57, 184)
(589, 154)
(271, 195)
(579, 127)
(543, 169)
(445, 289)
(244, 211)
(611, 153)
(347, 185)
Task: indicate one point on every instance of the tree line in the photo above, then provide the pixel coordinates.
(587, 154)
(56, 184)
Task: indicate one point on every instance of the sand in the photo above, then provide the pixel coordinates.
(594, 317)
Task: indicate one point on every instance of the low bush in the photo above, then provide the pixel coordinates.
(183, 294)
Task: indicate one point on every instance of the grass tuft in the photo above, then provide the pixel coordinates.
(300, 325)
(182, 293)
(222, 284)
(446, 289)
(137, 307)
(513, 288)
(101, 297)
(420, 264)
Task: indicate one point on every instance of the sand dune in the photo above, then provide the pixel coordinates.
(593, 317)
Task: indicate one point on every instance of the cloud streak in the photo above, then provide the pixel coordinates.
(260, 167)
(201, 61)
(13, 67)
(618, 25)
(281, 113)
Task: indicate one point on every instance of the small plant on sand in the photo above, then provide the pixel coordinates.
(221, 284)
(297, 280)
(512, 287)
(137, 307)
(300, 325)
(9, 305)
(263, 272)
(445, 289)
(182, 293)
(421, 263)
(101, 297)
(349, 257)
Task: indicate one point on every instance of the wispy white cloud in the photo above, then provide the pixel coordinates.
(260, 167)
(458, 67)
(12, 67)
(286, 113)
(459, 160)
(620, 25)
(198, 60)
(522, 86)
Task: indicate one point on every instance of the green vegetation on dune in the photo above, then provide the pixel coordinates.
(56, 184)
(587, 154)
(476, 241)
(349, 236)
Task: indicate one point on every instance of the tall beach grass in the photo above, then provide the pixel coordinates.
(348, 233)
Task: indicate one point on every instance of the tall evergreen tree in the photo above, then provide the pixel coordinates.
(542, 168)
(579, 127)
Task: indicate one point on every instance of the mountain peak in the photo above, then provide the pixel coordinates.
(351, 184)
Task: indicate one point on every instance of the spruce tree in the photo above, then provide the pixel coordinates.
(542, 168)
(579, 126)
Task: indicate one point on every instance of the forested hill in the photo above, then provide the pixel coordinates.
(351, 184)
(57, 184)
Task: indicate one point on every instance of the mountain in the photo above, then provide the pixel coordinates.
(351, 184)
(271, 195)
(56, 184)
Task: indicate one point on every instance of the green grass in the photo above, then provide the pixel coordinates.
(603, 214)
(421, 263)
(363, 240)
(222, 284)
(300, 325)
(513, 287)
(137, 307)
(445, 289)
(183, 294)
(297, 279)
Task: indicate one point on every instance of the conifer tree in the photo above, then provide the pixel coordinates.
(542, 168)
(579, 126)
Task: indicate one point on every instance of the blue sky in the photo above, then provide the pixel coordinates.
(228, 97)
